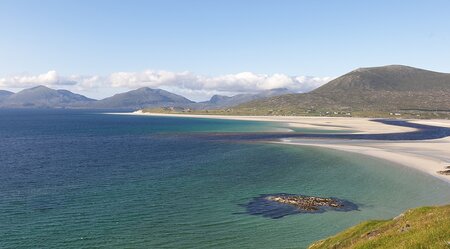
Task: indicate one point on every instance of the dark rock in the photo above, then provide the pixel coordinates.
(279, 205)
(309, 203)
(444, 172)
(405, 228)
(371, 234)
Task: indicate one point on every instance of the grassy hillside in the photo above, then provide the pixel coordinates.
(264, 111)
(389, 78)
(365, 91)
(425, 227)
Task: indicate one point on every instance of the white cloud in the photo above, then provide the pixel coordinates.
(198, 87)
(51, 78)
(245, 82)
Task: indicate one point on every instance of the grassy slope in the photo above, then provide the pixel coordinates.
(366, 91)
(298, 112)
(425, 227)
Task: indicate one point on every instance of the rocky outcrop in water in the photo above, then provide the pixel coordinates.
(308, 203)
(444, 172)
(276, 206)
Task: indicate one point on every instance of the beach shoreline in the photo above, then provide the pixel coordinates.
(351, 124)
(421, 157)
(428, 156)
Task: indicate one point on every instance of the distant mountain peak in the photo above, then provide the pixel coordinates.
(5, 94)
(145, 88)
(144, 97)
(279, 89)
(395, 68)
(216, 98)
(388, 78)
(44, 97)
(222, 101)
(39, 87)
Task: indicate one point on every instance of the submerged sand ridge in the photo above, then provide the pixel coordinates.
(419, 144)
(355, 125)
(429, 156)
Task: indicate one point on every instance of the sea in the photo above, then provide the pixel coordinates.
(89, 179)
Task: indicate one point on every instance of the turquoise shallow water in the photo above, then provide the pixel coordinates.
(73, 179)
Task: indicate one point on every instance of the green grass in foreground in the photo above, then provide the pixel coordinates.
(425, 227)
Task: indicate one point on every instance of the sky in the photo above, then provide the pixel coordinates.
(199, 48)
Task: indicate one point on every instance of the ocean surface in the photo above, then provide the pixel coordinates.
(84, 179)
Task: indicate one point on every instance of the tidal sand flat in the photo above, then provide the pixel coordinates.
(80, 179)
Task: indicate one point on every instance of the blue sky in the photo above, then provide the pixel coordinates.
(79, 40)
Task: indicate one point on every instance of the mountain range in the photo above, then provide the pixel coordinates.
(384, 89)
(44, 97)
(221, 101)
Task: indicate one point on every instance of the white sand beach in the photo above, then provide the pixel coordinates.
(428, 156)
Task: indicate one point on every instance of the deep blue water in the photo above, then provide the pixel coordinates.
(83, 179)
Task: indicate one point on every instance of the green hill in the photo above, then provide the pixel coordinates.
(426, 227)
(365, 91)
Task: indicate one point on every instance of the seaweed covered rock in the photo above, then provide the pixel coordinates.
(279, 205)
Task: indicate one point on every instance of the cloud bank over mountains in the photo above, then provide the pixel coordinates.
(50, 79)
(186, 83)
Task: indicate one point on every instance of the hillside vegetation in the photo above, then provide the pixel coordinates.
(374, 91)
(425, 227)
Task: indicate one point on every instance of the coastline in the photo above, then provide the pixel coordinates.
(351, 124)
(428, 156)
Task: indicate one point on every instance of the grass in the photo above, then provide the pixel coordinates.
(425, 227)
(403, 114)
